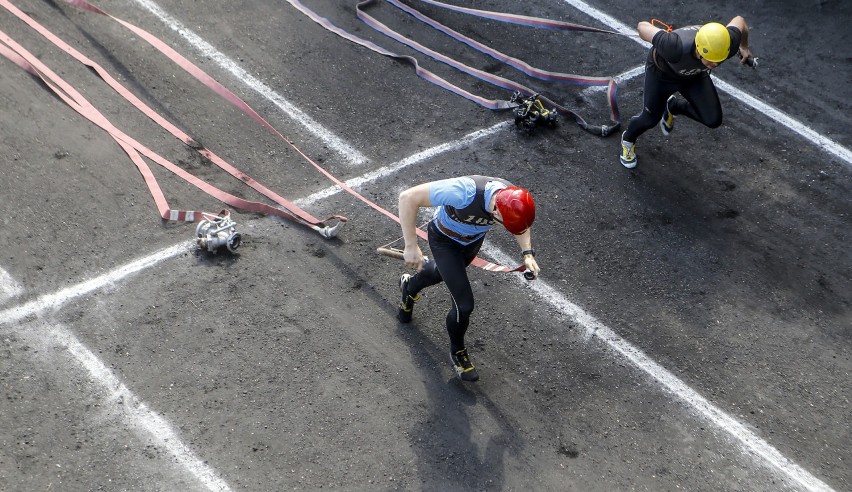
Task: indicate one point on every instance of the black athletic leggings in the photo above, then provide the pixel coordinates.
(702, 102)
(449, 264)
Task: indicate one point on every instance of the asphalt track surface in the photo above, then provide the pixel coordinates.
(690, 328)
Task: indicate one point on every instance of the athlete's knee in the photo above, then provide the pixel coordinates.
(714, 122)
(711, 119)
(430, 269)
(645, 120)
(458, 319)
(465, 309)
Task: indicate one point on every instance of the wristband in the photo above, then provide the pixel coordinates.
(530, 252)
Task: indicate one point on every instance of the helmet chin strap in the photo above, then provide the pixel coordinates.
(492, 205)
(495, 212)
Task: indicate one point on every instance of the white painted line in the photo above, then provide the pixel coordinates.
(741, 434)
(408, 161)
(820, 141)
(8, 287)
(610, 21)
(136, 412)
(622, 77)
(206, 49)
(143, 420)
(748, 440)
(156, 425)
(56, 300)
(797, 126)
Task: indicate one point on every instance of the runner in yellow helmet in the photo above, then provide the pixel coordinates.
(681, 61)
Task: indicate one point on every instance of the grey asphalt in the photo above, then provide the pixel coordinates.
(712, 283)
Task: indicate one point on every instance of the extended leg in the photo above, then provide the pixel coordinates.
(701, 104)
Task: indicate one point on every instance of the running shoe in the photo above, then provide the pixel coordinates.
(406, 308)
(667, 122)
(463, 366)
(628, 154)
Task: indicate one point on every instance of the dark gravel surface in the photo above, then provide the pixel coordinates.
(723, 258)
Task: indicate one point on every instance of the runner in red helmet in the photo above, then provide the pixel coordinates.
(516, 209)
(467, 208)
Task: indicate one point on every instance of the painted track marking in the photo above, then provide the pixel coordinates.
(749, 442)
(56, 300)
(349, 153)
(622, 77)
(355, 157)
(141, 418)
(408, 161)
(134, 409)
(8, 287)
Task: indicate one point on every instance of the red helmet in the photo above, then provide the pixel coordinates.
(517, 208)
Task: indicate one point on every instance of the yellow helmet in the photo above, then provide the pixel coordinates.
(713, 42)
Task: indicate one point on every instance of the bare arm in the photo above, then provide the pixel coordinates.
(525, 242)
(410, 202)
(740, 23)
(647, 31)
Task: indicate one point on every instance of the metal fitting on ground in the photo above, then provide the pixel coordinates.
(216, 231)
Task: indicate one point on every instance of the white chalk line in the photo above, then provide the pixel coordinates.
(622, 77)
(408, 161)
(56, 300)
(135, 411)
(797, 126)
(592, 325)
(780, 117)
(750, 441)
(206, 49)
(727, 423)
(8, 287)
